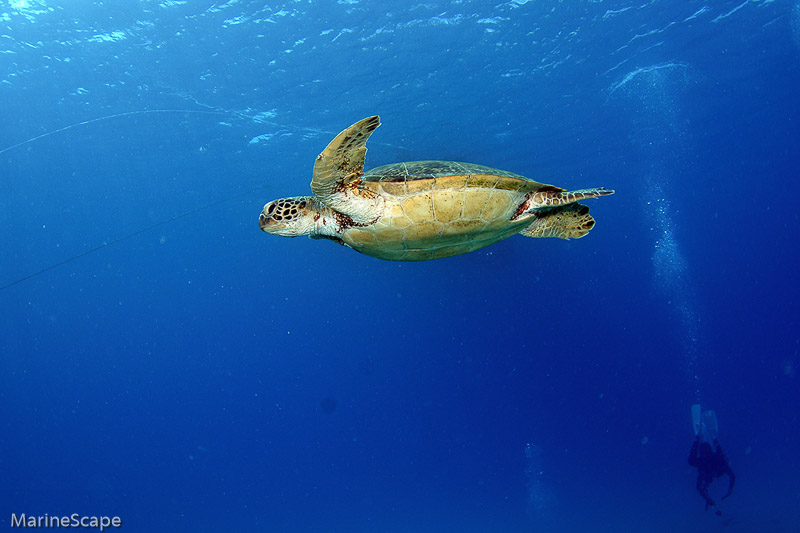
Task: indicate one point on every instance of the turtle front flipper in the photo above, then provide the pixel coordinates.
(571, 221)
(338, 170)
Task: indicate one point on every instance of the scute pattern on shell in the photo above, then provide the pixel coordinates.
(440, 208)
(422, 170)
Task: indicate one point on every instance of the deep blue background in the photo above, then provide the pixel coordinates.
(175, 378)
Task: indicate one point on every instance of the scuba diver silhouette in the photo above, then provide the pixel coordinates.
(711, 463)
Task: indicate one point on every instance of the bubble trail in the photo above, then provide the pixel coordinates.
(672, 276)
(652, 97)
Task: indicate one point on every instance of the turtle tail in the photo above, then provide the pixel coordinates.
(571, 221)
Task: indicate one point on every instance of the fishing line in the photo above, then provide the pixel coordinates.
(107, 117)
(234, 113)
(237, 114)
(128, 236)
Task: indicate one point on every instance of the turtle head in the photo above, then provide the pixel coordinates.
(289, 217)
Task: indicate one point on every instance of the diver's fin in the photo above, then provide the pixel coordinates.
(571, 221)
(697, 418)
(710, 429)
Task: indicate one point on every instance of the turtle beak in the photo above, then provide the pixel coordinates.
(264, 222)
(285, 217)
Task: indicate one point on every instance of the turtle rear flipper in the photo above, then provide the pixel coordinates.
(549, 196)
(571, 221)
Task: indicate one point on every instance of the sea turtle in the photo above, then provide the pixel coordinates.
(423, 209)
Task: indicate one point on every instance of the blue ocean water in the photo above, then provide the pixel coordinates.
(187, 372)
